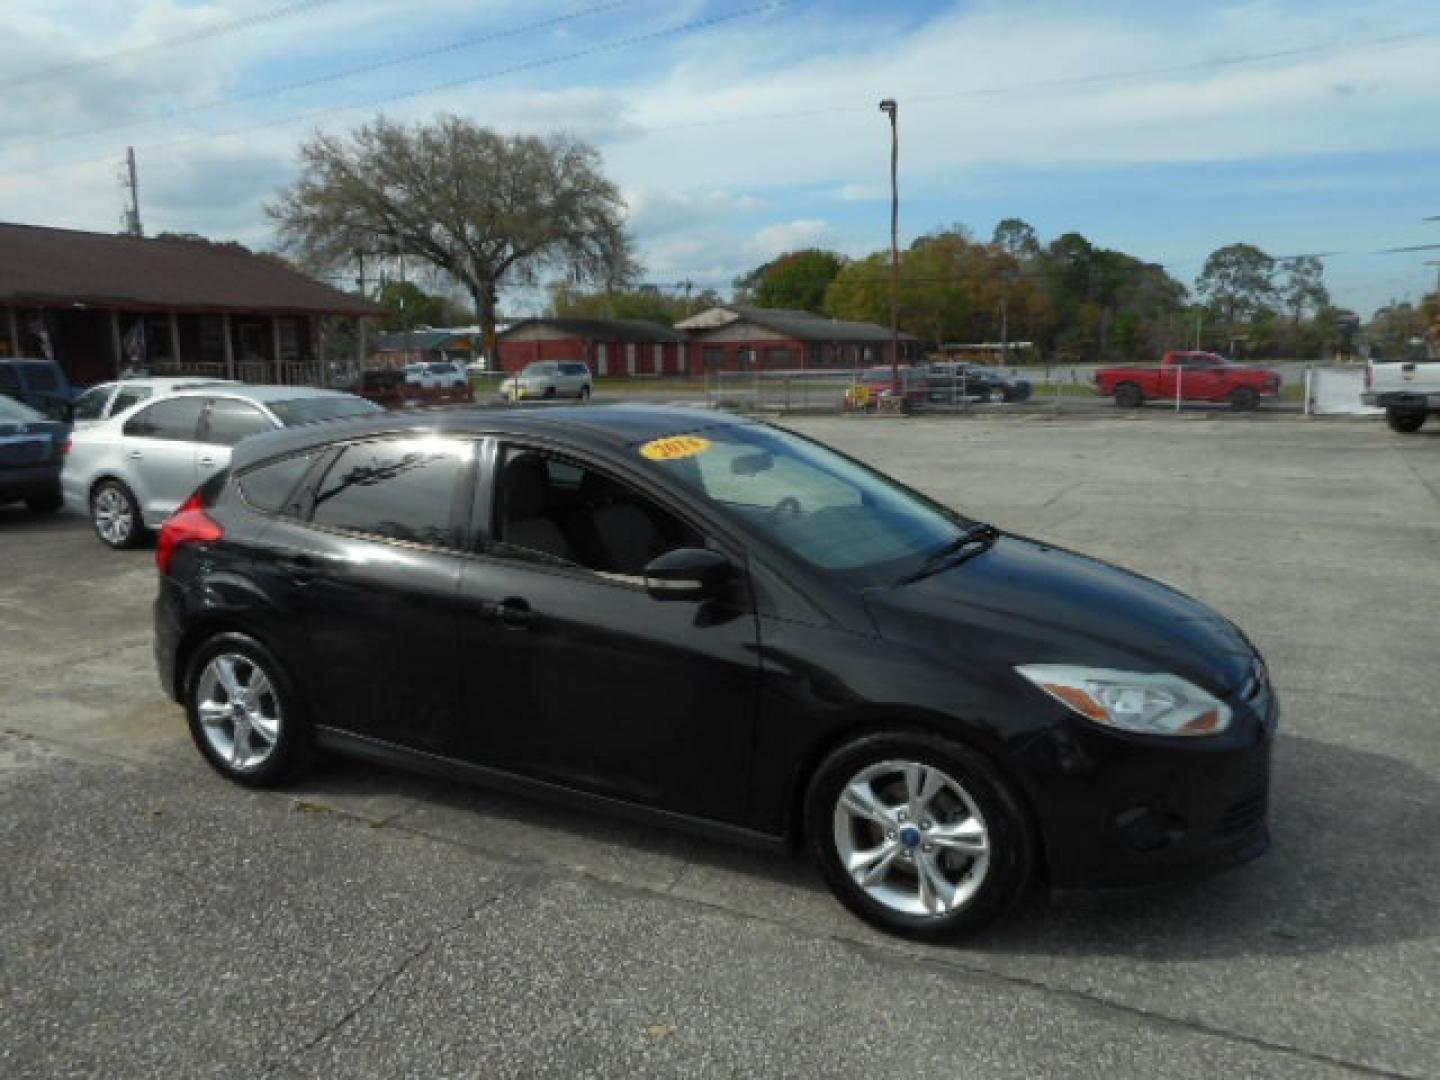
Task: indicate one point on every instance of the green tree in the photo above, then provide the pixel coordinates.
(1236, 282)
(484, 208)
(1016, 238)
(795, 280)
(649, 303)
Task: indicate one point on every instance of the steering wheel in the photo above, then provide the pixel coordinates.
(789, 505)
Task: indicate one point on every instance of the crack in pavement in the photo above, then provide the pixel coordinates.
(394, 974)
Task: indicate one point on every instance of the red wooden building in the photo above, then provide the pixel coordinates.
(609, 346)
(736, 337)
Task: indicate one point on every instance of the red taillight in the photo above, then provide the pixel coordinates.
(188, 525)
(67, 446)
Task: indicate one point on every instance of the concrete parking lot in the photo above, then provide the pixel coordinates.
(157, 921)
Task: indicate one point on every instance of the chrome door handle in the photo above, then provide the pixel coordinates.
(207, 461)
(136, 454)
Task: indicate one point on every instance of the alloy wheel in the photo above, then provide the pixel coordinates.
(912, 838)
(114, 516)
(239, 711)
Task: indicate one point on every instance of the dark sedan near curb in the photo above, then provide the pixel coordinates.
(712, 622)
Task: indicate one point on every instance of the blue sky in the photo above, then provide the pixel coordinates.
(740, 128)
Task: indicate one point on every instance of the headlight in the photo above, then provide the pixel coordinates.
(1149, 703)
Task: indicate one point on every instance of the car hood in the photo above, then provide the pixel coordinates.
(1026, 602)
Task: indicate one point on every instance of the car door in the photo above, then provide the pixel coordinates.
(225, 422)
(575, 675)
(1202, 381)
(368, 565)
(158, 449)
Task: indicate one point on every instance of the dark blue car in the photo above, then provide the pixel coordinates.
(32, 449)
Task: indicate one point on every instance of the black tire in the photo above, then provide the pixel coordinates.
(1405, 421)
(1244, 399)
(47, 503)
(549, 392)
(1128, 395)
(113, 493)
(585, 393)
(293, 749)
(1010, 835)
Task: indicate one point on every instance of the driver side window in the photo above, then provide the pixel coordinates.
(554, 510)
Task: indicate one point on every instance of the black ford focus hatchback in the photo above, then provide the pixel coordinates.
(716, 623)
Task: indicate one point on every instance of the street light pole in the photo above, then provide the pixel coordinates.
(891, 108)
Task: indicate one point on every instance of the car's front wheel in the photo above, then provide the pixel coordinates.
(243, 715)
(584, 393)
(919, 835)
(116, 515)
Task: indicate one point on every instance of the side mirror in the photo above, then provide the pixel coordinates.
(687, 574)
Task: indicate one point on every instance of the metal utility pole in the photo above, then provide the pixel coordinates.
(891, 108)
(132, 215)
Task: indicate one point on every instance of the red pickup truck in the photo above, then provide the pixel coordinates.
(1199, 376)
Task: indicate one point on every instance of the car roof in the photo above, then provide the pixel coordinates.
(599, 426)
(162, 382)
(262, 394)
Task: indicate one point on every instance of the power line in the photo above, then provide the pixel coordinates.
(1094, 79)
(245, 22)
(320, 80)
(700, 24)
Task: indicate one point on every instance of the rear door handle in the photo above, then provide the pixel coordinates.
(136, 454)
(207, 461)
(514, 612)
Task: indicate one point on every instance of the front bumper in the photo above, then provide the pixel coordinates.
(1123, 810)
(1403, 399)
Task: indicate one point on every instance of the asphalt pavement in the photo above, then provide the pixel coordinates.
(157, 921)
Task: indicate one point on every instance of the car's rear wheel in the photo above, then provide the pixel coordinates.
(1405, 421)
(549, 392)
(47, 503)
(244, 718)
(1244, 398)
(918, 835)
(1129, 396)
(116, 515)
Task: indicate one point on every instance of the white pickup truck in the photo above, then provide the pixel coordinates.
(1407, 389)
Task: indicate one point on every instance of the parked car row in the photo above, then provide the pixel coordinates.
(934, 385)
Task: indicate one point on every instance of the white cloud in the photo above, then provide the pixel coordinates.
(789, 235)
(654, 211)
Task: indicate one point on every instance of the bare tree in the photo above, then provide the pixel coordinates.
(486, 209)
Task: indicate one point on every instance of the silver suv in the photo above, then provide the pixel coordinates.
(549, 379)
(132, 471)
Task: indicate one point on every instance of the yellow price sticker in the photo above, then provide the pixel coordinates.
(675, 447)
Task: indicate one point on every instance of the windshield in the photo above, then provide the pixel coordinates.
(308, 410)
(13, 412)
(833, 513)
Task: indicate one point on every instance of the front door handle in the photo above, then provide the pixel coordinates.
(135, 454)
(514, 612)
(208, 462)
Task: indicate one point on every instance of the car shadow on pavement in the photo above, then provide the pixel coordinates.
(1354, 863)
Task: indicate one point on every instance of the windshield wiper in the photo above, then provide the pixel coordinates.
(968, 544)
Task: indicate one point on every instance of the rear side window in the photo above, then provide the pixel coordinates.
(9, 379)
(89, 405)
(576, 369)
(229, 421)
(173, 418)
(396, 489)
(128, 397)
(272, 485)
(41, 378)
